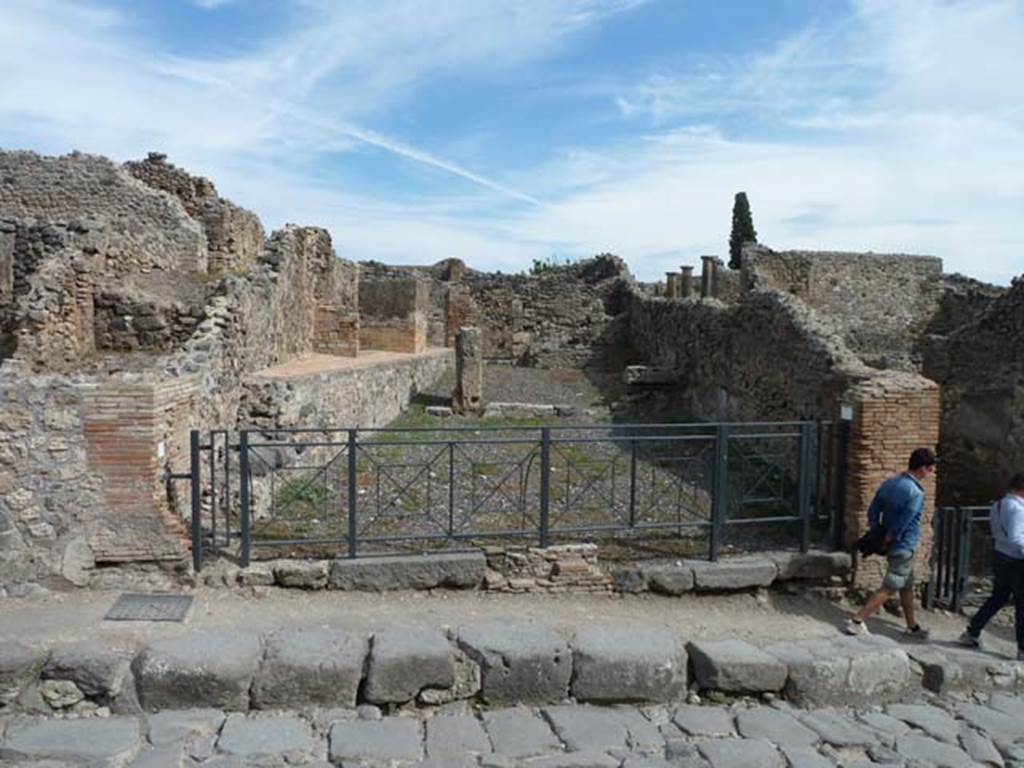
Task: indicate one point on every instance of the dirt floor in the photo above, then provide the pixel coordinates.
(762, 617)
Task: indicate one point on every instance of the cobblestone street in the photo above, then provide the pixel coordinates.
(952, 730)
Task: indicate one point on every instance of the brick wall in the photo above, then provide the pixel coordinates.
(893, 413)
(126, 426)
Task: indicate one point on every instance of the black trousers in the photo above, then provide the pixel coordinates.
(1009, 583)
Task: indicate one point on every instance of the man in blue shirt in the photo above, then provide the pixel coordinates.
(897, 506)
(1007, 520)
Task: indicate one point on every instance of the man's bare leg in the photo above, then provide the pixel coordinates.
(907, 602)
(874, 602)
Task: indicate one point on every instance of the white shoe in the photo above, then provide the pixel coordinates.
(852, 627)
(969, 640)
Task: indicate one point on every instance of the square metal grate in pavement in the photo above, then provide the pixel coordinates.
(135, 607)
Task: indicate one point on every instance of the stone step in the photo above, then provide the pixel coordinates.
(497, 664)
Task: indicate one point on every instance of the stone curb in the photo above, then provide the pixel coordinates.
(506, 664)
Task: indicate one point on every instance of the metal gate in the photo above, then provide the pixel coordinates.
(961, 559)
(711, 488)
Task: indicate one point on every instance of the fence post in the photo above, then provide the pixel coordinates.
(963, 557)
(720, 489)
(243, 496)
(545, 483)
(842, 459)
(804, 486)
(352, 495)
(632, 483)
(197, 521)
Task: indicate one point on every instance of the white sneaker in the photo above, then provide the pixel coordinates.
(852, 627)
(969, 640)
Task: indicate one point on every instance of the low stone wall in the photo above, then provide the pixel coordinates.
(368, 394)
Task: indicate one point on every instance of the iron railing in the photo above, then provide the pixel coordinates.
(961, 557)
(365, 491)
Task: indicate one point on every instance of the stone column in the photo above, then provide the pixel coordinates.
(707, 275)
(671, 285)
(469, 371)
(686, 282)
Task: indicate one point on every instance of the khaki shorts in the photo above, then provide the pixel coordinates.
(900, 573)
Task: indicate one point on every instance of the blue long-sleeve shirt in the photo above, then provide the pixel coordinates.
(898, 504)
(1008, 525)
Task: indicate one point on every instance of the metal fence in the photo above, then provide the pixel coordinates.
(353, 492)
(961, 559)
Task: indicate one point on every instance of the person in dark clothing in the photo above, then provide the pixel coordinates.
(1007, 521)
(898, 505)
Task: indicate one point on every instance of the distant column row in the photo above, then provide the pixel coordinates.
(680, 285)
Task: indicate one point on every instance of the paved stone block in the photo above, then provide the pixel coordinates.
(456, 735)
(931, 752)
(19, 665)
(392, 739)
(735, 666)
(805, 757)
(884, 725)
(774, 725)
(628, 664)
(306, 666)
(201, 669)
(97, 670)
(979, 747)
(264, 735)
(172, 726)
(518, 733)
(936, 722)
(582, 727)
(642, 733)
(519, 663)
(995, 724)
(732, 574)
(704, 721)
(668, 578)
(405, 661)
(100, 742)
(815, 565)
(580, 759)
(741, 753)
(838, 729)
(457, 571)
(169, 756)
(1007, 704)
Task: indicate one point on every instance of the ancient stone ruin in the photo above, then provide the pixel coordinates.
(136, 303)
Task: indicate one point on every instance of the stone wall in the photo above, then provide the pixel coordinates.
(392, 315)
(364, 395)
(893, 413)
(235, 236)
(564, 317)
(880, 303)
(980, 368)
(765, 357)
(147, 229)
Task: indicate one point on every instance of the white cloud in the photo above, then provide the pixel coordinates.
(895, 129)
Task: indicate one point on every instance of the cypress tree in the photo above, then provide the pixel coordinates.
(742, 229)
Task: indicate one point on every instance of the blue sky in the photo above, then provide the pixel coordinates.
(500, 131)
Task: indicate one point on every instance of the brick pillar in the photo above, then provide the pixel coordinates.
(893, 413)
(685, 281)
(671, 285)
(469, 371)
(707, 271)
